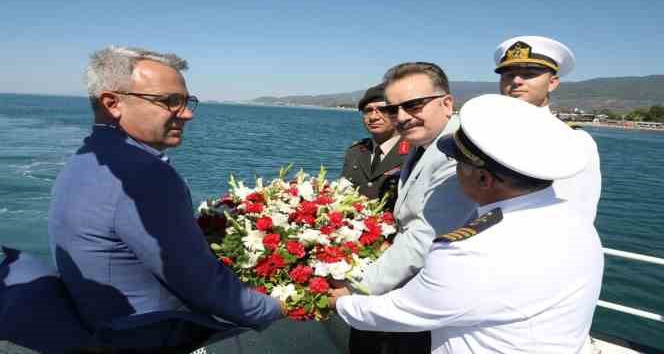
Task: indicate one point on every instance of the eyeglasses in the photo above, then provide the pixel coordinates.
(413, 106)
(371, 109)
(175, 102)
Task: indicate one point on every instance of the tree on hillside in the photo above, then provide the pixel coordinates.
(653, 114)
(656, 113)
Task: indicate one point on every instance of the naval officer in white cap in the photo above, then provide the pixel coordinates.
(530, 68)
(525, 276)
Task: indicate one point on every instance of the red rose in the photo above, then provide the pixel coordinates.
(271, 241)
(268, 266)
(319, 285)
(295, 248)
(372, 227)
(227, 200)
(253, 207)
(256, 197)
(227, 261)
(351, 246)
(261, 289)
(330, 254)
(264, 223)
(358, 207)
(327, 229)
(368, 238)
(323, 200)
(388, 218)
(307, 208)
(336, 219)
(299, 314)
(304, 219)
(293, 191)
(301, 274)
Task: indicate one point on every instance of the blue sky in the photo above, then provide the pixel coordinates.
(246, 49)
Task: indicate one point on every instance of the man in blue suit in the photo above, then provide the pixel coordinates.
(121, 221)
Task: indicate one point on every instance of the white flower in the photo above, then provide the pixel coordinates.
(203, 207)
(361, 265)
(357, 224)
(254, 240)
(320, 268)
(306, 190)
(347, 234)
(311, 236)
(285, 208)
(293, 202)
(252, 261)
(339, 269)
(242, 191)
(279, 219)
(387, 229)
(342, 184)
(283, 292)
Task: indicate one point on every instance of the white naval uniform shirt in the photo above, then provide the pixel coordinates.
(583, 189)
(528, 284)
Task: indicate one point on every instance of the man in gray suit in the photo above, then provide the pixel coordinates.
(430, 201)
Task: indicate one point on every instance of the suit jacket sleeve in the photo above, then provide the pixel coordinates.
(445, 208)
(155, 219)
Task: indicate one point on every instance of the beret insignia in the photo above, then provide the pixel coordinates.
(473, 228)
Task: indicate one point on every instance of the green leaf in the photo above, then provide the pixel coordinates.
(323, 302)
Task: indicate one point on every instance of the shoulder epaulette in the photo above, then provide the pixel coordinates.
(473, 228)
(361, 141)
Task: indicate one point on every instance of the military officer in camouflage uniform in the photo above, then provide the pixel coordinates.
(373, 164)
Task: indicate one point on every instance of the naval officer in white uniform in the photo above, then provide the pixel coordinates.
(530, 68)
(522, 278)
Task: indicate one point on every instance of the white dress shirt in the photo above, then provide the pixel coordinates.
(528, 284)
(385, 147)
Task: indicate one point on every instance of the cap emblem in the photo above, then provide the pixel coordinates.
(518, 50)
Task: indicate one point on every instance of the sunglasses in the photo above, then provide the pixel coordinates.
(411, 107)
(175, 102)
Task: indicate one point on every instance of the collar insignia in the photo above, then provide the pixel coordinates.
(404, 147)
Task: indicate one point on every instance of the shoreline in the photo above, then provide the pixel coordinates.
(613, 126)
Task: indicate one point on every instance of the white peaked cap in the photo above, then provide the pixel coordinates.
(536, 51)
(521, 137)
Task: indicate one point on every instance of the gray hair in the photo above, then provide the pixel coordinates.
(110, 68)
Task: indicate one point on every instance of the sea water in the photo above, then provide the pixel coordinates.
(39, 133)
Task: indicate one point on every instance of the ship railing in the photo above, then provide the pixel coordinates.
(627, 309)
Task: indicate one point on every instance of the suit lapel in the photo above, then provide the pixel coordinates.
(403, 187)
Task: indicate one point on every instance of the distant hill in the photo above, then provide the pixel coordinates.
(618, 94)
